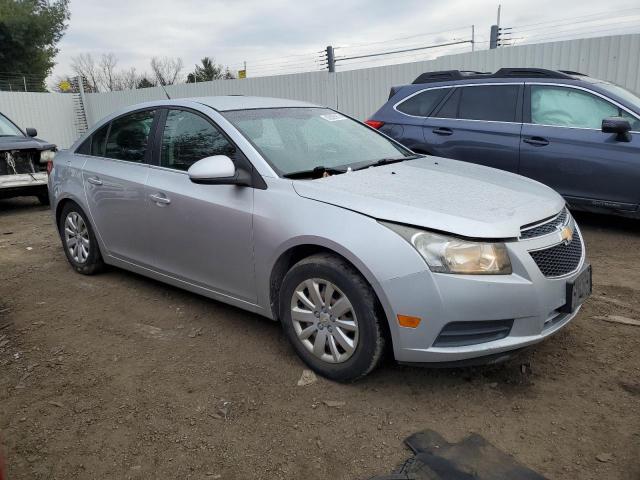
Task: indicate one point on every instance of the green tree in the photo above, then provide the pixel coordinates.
(144, 82)
(209, 71)
(29, 33)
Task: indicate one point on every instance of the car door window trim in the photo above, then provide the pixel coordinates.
(575, 87)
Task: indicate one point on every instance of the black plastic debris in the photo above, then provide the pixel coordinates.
(474, 458)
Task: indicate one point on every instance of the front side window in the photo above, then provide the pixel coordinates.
(188, 137)
(129, 137)
(570, 107)
(301, 139)
(422, 104)
(8, 129)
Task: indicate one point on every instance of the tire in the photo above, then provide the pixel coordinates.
(328, 357)
(43, 198)
(91, 262)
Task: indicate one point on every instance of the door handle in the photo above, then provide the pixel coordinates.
(160, 199)
(537, 141)
(94, 180)
(442, 131)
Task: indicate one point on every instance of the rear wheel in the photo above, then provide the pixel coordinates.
(329, 313)
(79, 241)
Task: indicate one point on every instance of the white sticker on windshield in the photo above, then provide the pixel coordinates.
(333, 117)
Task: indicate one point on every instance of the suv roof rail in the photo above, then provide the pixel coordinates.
(571, 72)
(444, 75)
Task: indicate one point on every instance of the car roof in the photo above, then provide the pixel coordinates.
(240, 102)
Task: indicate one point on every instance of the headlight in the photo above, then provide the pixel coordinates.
(446, 254)
(47, 156)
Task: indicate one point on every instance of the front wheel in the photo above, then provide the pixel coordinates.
(329, 314)
(78, 240)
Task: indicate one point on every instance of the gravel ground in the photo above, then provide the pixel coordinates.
(119, 376)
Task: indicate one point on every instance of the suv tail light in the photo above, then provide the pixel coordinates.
(374, 123)
(49, 167)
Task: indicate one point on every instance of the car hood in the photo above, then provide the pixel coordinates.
(439, 194)
(24, 143)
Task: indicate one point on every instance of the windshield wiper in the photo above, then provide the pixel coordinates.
(315, 172)
(386, 161)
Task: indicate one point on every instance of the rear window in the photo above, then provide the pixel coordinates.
(422, 104)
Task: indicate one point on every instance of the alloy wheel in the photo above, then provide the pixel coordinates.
(76, 237)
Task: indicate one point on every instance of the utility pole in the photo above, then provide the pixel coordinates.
(494, 37)
(473, 38)
(331, 59)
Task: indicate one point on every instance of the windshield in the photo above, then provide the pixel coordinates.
(7, 128)
(623, 93)
(301, 139)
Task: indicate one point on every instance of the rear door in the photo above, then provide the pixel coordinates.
(564, 147)
(114, 178)
(478, 123)
(202, 233)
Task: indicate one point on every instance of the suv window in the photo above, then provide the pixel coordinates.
(422, 104)
(492, 102)
(129, 137)
(570, 107)
(495, 103)
(188, 137)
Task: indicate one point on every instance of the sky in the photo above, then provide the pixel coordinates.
(284, 36)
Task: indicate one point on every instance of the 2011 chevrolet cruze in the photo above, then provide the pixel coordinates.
(304, 215)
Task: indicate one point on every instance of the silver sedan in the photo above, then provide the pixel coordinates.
(306, 216)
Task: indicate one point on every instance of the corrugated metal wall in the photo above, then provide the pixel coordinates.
(357, 92)
(52, 114)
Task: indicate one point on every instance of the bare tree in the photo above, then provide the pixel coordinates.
(107, 72)
(128, 79)
(166, 70)
(85, 66)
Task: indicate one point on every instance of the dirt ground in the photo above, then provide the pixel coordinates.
(119, 376)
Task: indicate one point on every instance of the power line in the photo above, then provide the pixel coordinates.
(575, 18)
(402, 51)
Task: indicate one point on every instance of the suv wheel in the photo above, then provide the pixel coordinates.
(329, 313)
(79, 241)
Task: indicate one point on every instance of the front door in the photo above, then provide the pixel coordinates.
(114, 177)
(202, 234)
(564, 147)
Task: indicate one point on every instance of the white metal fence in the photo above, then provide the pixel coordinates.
(356, 92)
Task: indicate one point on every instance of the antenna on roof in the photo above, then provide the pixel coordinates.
(162, 85)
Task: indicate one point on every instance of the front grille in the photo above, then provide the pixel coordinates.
(459, 334)
(560, 259)
(15, 162)
(549, 226)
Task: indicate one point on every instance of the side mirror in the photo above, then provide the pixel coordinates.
(31, 132)
(618, 125)
(217, 170)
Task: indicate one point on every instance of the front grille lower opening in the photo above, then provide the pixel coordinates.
(460, 334)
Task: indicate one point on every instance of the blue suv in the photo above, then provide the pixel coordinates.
(577, 134)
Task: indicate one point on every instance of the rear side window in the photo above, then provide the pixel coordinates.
(129, 137)
(188, 138)
(422, 104)
(450, 107)
(492, 102)
(497, 103)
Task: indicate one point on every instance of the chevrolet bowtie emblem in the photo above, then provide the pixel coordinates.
(566, 235)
